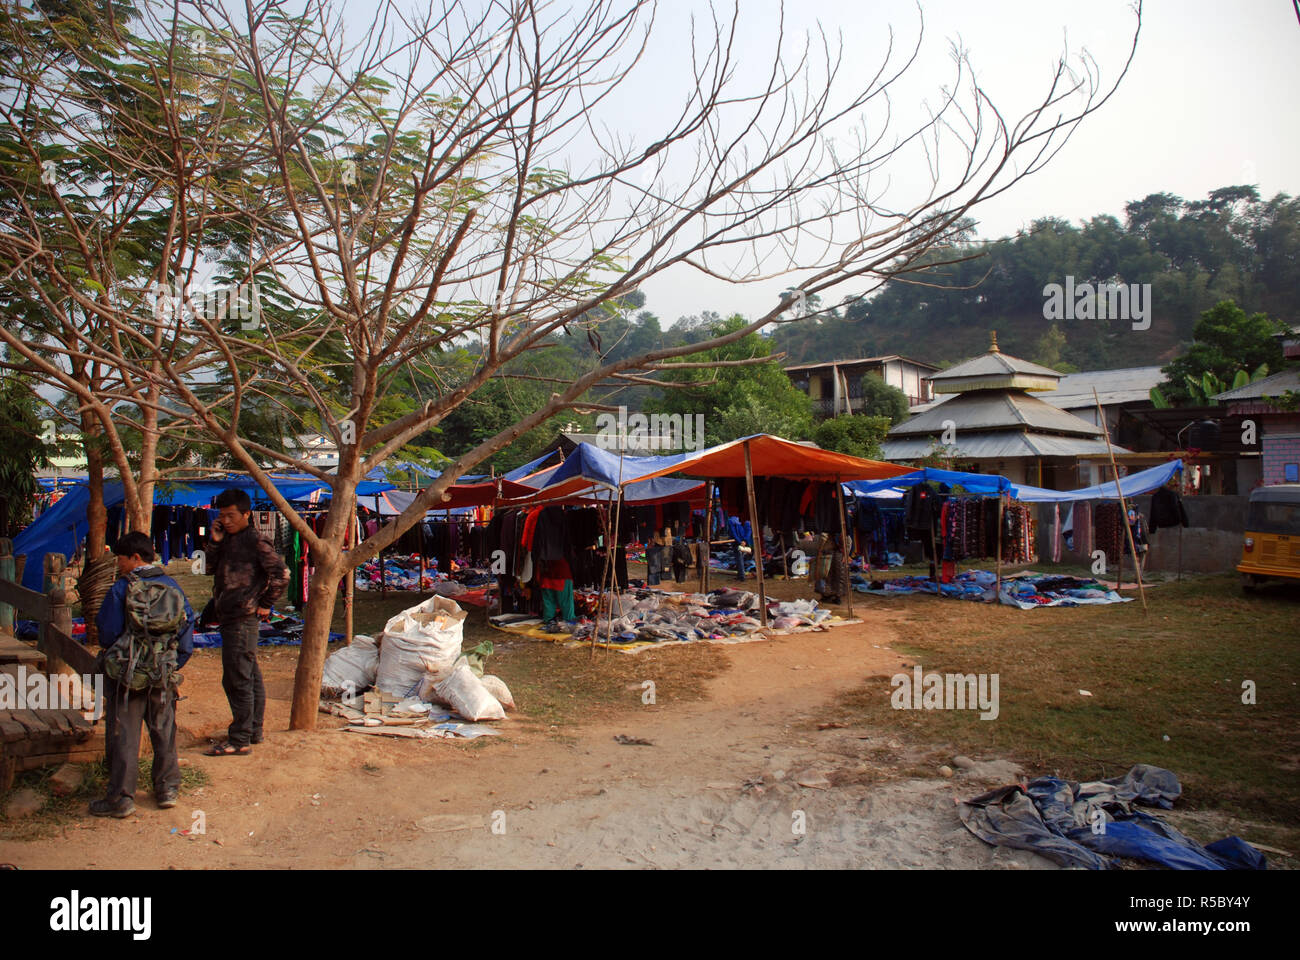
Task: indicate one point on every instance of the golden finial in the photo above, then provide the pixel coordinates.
(993, 348)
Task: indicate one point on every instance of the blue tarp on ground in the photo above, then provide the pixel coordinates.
(61, 528)
(1081, 824)
(1135, 484)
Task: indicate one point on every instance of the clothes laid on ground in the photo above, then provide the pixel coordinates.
(968, 585)
(647, 617)
(1086, 824)
(1024, 591)
(1029, 590)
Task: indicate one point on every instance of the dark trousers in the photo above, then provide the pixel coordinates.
(241, 678)
(123, 714)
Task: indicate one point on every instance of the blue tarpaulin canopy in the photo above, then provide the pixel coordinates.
(989, 483)
(61, 528)
(1135, 484)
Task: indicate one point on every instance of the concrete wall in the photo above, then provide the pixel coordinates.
(1211, 540)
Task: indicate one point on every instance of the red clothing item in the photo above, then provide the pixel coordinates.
(556, 575)
(530, 527)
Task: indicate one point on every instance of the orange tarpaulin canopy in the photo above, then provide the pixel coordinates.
(773, 457)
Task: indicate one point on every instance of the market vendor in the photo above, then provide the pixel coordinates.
(556, 582)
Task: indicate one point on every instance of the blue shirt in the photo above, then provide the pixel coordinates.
(111, 620)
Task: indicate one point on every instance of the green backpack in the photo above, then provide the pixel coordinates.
(145, 656)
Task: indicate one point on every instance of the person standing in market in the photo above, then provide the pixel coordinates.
(556, 582)
(146, 627)
(248, 577)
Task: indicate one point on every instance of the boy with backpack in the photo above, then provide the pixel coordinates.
(146, 627)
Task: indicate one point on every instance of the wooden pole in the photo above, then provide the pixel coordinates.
(7, 572)
(383, 580)
(997, 590)
(708, 539)
(1180, 550)
(844, 547)
(1123, 511)
(350, 584)
(60, 611)
(613, 577)
(420, 528)
(756, 537)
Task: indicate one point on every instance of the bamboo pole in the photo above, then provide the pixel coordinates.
(383, 580)
(756, 538)
(844, 547)
(997, 589)
(420, 527)
(708, 539)
(613, 579)
(1123, 511)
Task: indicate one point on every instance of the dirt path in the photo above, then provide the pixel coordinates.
(719, 787)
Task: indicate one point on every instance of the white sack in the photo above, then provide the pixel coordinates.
(465, 694)
(497, 687)
(351, 668)
(424, 639)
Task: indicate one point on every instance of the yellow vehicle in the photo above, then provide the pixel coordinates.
(1271, 545)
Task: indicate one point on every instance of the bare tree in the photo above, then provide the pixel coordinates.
(446, 184)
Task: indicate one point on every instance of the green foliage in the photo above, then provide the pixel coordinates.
(1231, 245)
(1228, 344)
(737, 401)
(857, 435)
(879, 399)
(21, 455)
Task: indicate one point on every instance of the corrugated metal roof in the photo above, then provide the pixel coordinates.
(1273, 386)
(993, 409)
(993, 365)
(1000, 445)
(1127, 385)
(859, 360)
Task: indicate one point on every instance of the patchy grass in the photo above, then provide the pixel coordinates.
(1176, 673)
(556, 685)
(60, 810)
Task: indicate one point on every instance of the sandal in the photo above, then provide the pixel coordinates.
(227, 749)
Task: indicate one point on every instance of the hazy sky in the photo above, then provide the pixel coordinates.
(1208, 101)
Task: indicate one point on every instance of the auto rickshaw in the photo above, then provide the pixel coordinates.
(1270, 546)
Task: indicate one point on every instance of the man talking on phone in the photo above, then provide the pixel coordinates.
(248, 577)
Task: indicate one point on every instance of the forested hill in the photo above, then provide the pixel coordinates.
(1230, 246)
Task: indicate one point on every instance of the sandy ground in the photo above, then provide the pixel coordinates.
(742, 779)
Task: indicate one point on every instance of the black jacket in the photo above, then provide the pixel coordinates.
(1167, 510)
(247, 574)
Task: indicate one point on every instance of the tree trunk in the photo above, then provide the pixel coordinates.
(321, 597)
(96, 516)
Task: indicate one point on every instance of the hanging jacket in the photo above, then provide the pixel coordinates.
(1167, 509)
